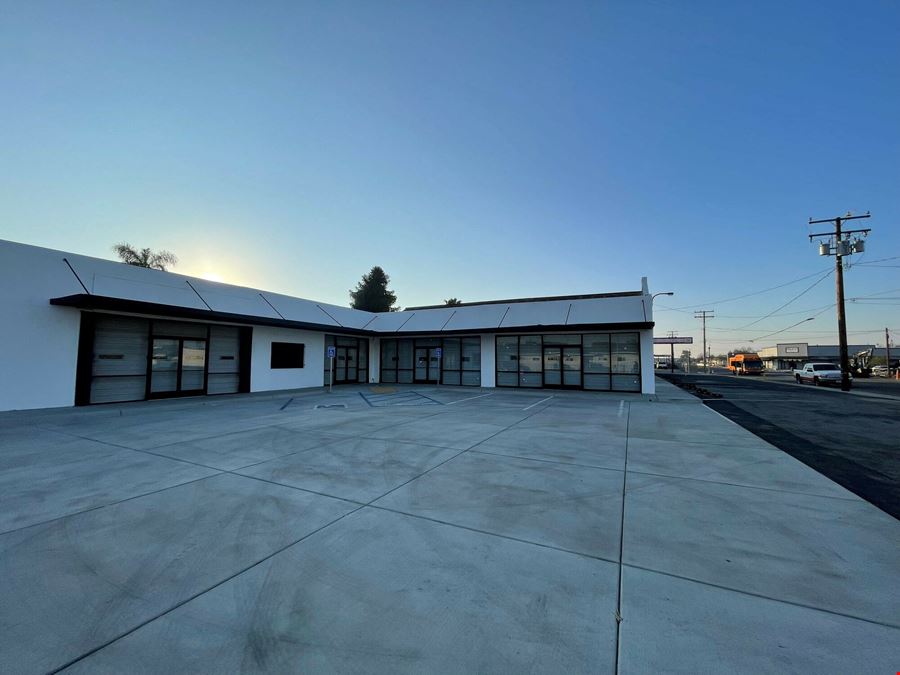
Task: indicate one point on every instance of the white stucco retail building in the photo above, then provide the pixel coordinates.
(78, 330)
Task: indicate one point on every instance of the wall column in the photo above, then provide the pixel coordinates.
(488, 361)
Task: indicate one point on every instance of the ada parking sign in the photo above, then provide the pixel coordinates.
(438, 352)
(331, 352)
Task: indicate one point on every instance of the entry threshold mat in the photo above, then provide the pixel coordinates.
(396, 398)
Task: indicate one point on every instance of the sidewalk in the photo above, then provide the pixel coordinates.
(738, 557)
(666, 391)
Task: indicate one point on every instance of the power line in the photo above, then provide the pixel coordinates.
(799, 295)
(872, 295)
(878, 260)
(868, 298)
(812, 318)
(684, 308)
(783, 330)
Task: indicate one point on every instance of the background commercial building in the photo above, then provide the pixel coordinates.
(80, 330)
(790, 355)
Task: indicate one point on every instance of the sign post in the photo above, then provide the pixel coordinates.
(331, 351)
(439, 353)
(672, 341)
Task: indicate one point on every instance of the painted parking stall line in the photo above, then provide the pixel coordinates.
(537, 403)
(471, 398)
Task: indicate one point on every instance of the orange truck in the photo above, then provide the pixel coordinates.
(745, 364)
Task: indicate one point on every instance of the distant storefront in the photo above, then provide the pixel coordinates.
(790, 355)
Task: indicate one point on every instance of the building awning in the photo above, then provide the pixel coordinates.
(103, 303)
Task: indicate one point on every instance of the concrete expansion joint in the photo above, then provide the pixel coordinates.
(762, 596)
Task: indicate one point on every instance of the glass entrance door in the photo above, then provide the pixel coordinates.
(428, 365)
(193, 366)
(164, 366)
(552, 366)
(345, 363)
(352, 358)
(177, 367)
(562, 367)
(571, 362)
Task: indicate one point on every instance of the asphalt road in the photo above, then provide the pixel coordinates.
(854, 440)
(867, 385)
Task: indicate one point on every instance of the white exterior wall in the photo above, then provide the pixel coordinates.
(263, 378)
(38, 342)
(488, 361)
(648, 375)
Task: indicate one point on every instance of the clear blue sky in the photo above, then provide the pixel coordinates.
(473, 149)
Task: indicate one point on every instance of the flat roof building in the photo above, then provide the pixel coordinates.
(790, 355)
(79, 330)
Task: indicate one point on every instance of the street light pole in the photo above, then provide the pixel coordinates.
(672, 362)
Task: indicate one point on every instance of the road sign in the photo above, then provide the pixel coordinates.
(331, 351)
(438, 352)
(673, 341)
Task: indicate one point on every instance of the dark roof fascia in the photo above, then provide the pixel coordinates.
(554, 328)
(549, 298)
(108, 304)
(104, 303)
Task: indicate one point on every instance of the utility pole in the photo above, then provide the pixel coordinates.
(672, 352)
(842, 246)
(887, 351)
(705, 314)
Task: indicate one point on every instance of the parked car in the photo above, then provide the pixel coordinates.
(879, 371)
(819, 374)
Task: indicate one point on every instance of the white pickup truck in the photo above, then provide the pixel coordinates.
(819, 374)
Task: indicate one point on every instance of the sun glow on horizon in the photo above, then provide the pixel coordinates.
(212, 276)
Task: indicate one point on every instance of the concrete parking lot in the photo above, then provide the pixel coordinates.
(431, 530)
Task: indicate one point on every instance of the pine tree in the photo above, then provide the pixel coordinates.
(372, 293)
